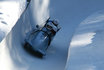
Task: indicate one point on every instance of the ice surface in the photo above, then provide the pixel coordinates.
(10, 12)
(70, 14)
(87, 45)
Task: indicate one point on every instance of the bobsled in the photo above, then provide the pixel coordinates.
(39, 39)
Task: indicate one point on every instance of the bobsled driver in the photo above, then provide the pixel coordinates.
(39, 39)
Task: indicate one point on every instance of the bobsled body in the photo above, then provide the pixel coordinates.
(40, 39)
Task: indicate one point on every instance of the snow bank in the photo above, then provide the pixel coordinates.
(87, 45)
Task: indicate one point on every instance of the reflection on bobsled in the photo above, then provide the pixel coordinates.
(40, 38)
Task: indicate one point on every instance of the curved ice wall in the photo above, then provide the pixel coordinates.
(12, 54)
(41, 11)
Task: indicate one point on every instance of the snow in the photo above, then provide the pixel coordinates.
(82, 39)
(41, 9)
(9, 17)
(70, 14)
(87, 45)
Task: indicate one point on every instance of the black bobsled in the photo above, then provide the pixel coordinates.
(39, 39)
